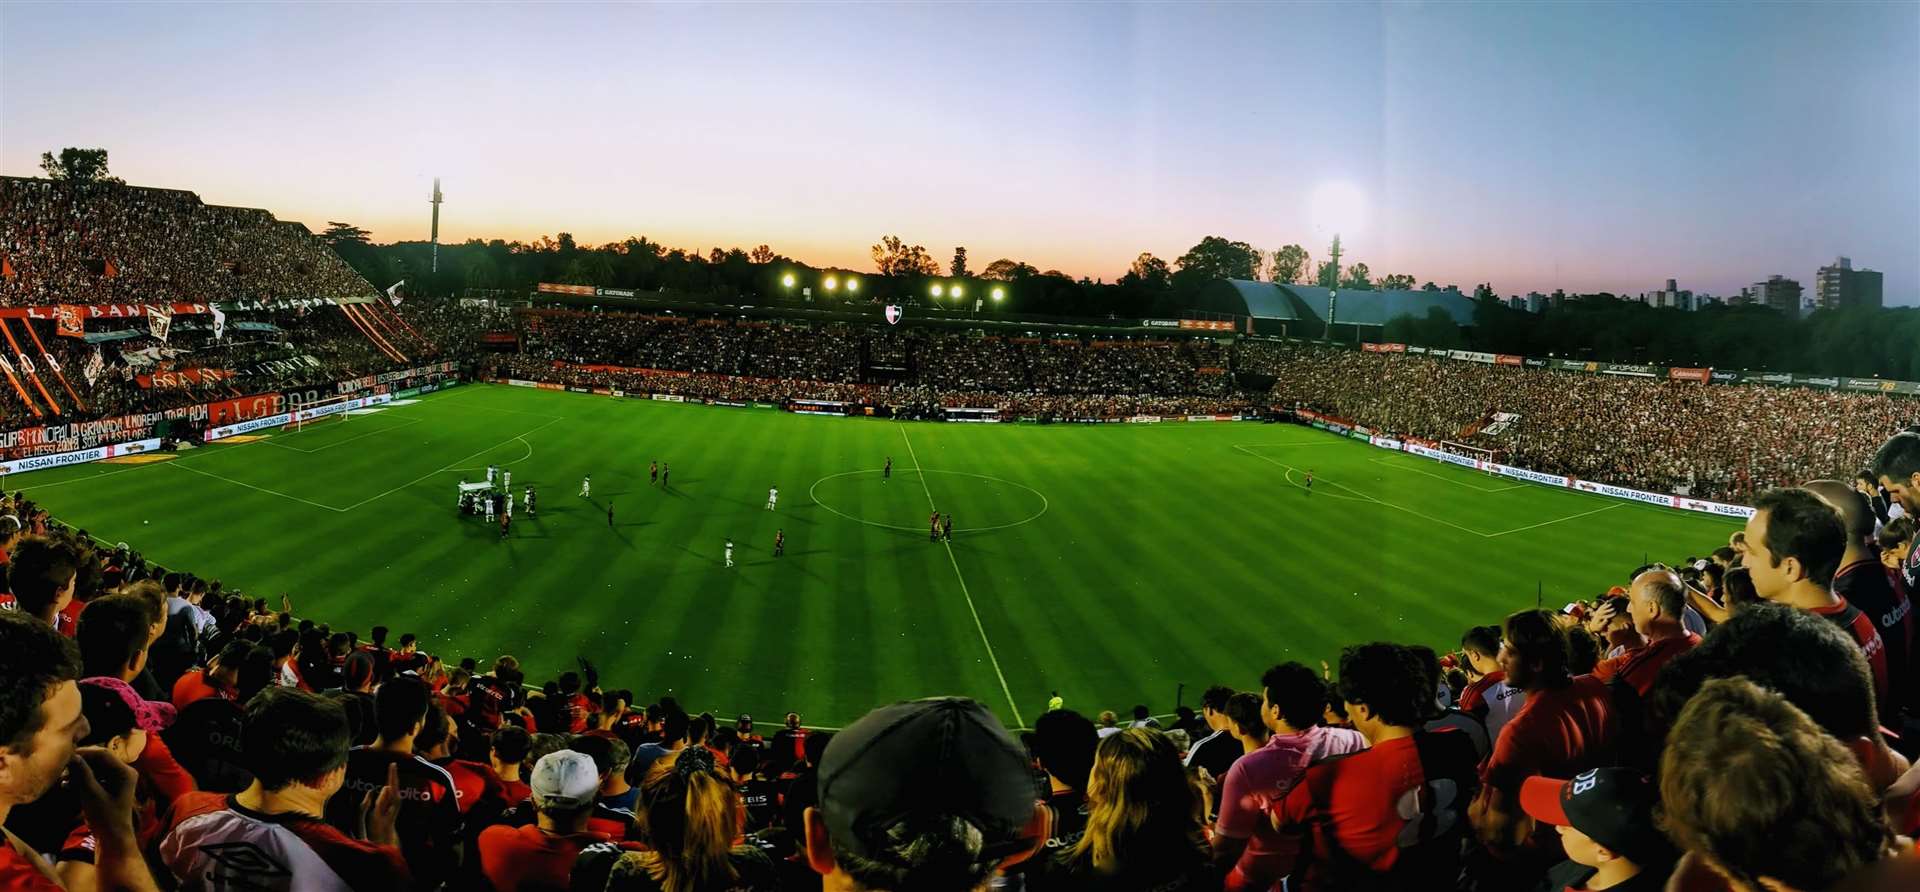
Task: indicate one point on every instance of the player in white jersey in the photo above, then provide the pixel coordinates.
(529, 501)
(506, 479)
(729, 552)
(509, 503)
(586, 487)
(773, 495)
(487, 497)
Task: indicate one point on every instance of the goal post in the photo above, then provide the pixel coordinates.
(1486, 456)
(326, 408)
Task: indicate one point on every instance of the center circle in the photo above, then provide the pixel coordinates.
(980, 502)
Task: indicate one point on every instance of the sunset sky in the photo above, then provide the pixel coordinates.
(1533, 145)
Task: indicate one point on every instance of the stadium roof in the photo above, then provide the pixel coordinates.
(1267, 300)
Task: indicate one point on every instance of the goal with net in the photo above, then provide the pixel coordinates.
(323, 410)
(1485, 456)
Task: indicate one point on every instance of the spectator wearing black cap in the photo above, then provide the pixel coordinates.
(689, 818)
(923, 796)
(1606, 825)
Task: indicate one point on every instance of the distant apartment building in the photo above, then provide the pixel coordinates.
(1778, 292)
(1672, 296)
(1840, 286)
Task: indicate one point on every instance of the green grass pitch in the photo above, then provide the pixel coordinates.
(1109, 562)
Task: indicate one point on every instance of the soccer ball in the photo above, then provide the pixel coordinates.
(145, 522)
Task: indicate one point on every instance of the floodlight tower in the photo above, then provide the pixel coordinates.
(1333, 292)
(435, 201)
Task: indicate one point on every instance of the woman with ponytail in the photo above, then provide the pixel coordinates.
(689, 817)
(1144, 816)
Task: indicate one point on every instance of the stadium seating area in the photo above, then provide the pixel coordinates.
(214, 718)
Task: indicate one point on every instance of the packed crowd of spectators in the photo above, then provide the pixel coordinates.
(1723, 442)
(1732, 722)
(109, 243)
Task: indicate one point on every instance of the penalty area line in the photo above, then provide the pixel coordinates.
(964, 591)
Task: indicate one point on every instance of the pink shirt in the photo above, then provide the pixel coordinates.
(1261, 779)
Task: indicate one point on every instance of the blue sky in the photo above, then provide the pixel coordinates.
(1534, 145)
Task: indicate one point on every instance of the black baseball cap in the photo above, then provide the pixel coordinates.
(919, 764)
(1613, 806)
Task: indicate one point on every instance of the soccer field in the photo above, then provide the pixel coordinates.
(1109, 562)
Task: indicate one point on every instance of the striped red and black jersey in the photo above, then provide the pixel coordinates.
(1860, 627)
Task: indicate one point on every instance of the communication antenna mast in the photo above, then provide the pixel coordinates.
(436, 223)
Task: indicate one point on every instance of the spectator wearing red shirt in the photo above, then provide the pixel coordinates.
(219, 679)
(296, 743)
(1874, 589)
(1246, 845)
(408, 657)
(1357, 809)
(1655, 603)
(1795, 543)
(540, 856)
(40, 721)
(429, 824)
(1567, 727)
(40, 580)
(506, 753)
(477, 791)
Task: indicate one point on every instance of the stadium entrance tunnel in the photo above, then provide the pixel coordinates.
(979, 503)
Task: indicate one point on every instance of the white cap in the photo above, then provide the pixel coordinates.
(564, 780)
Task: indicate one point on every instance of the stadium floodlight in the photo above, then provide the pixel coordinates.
(787, 280)
(936, 289)
(999, 294)
(956, 289)
(831, 283)
(853, 284)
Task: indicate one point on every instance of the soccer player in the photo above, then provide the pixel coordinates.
(666, 473)
(779, 542)
(509, 503)
(488, 498)
(1309, 489)
(773, 496)
(653, 472)
(506, 479)
(586, 487)
(506, 521)
(933, 527)
(886, 473)
(947, 530)
(609, 514)
(529, 501)
(729, 552)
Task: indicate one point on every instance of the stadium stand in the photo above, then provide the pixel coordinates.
(232, 743)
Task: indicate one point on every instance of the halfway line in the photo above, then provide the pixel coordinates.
(1004, 688)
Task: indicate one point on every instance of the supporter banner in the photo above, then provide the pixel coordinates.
(54, 438)
(1635, 371)
(552, 288)
(1509, 359)
(1159, 323)
(1384, 348)
(73, 321)
(1529, 476)
(1207, 324)
(102, 311)
(1471, 356)
(1700, 375)
(1387, 443)
(1621, 492)
(183, 378)
(60, 460)
(1575, 365)
(1439, 455)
